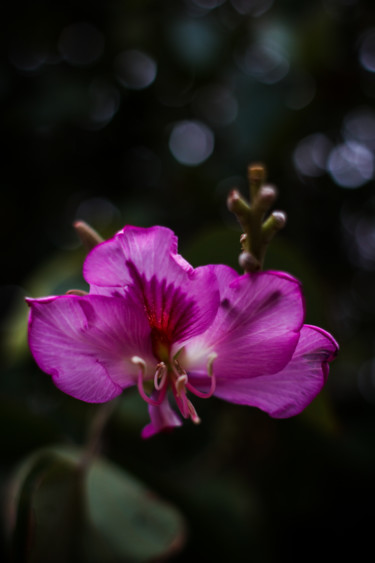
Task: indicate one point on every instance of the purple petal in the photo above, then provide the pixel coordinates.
(180, 302)
(182, 309)
(289, 391)
(256, 329)
(86, 343)
(162, 418)
(148, 251)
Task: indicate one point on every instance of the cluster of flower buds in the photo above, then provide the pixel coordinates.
(258, 230)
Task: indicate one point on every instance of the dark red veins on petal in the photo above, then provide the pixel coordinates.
(169, 310)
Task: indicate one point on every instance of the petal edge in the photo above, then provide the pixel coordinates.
(289, 391)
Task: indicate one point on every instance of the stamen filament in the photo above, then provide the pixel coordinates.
(175, 376)
(210, 373)
(142, 365)
(182, 403)
(201, 394)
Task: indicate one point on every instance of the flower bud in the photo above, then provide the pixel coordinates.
(248, 262)
(266, 197)
(89, 237)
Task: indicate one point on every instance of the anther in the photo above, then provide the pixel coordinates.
(178, 369)
(139, 362)
(210, 360)
(193, 413)
(160, 376)
(181, 382)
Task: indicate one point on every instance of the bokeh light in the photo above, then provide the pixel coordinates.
(351, 164)
(367, 50)
(98, 211)
(26, 58)
(359, 125)
(194, 42)
(104, 103)
(263, 62)
(135, 69)
(310, 155)
(359, 235)
(191, 142)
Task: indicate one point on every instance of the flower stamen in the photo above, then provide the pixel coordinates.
(160, 376)
(177, 368)
(136, 360)
(192, 412)
(181, 383)
(210, 360)
(182, 403)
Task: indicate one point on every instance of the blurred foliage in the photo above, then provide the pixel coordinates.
(62, 508)
(147, 112)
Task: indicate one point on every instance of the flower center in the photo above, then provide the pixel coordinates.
(161, 344)
(171, 375)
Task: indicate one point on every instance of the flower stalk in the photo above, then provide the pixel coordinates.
(95, 432)
(258, 231)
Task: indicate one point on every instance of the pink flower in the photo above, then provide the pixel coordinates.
(153, 321)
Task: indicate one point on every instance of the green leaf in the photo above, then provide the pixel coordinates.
(47, 503)
(61, 508)
(131, 520)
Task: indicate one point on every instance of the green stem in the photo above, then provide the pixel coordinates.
(98, 423)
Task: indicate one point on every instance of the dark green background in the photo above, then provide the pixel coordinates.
(251, 488)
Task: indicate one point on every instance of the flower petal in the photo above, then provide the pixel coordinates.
(289, 391)
(256, 329)
(162, 418)
(143, 264)
(86, 343)
(148, 250)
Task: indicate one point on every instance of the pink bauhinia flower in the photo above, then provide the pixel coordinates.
(153, 321)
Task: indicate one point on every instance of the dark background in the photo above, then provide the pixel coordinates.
(147, 112)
